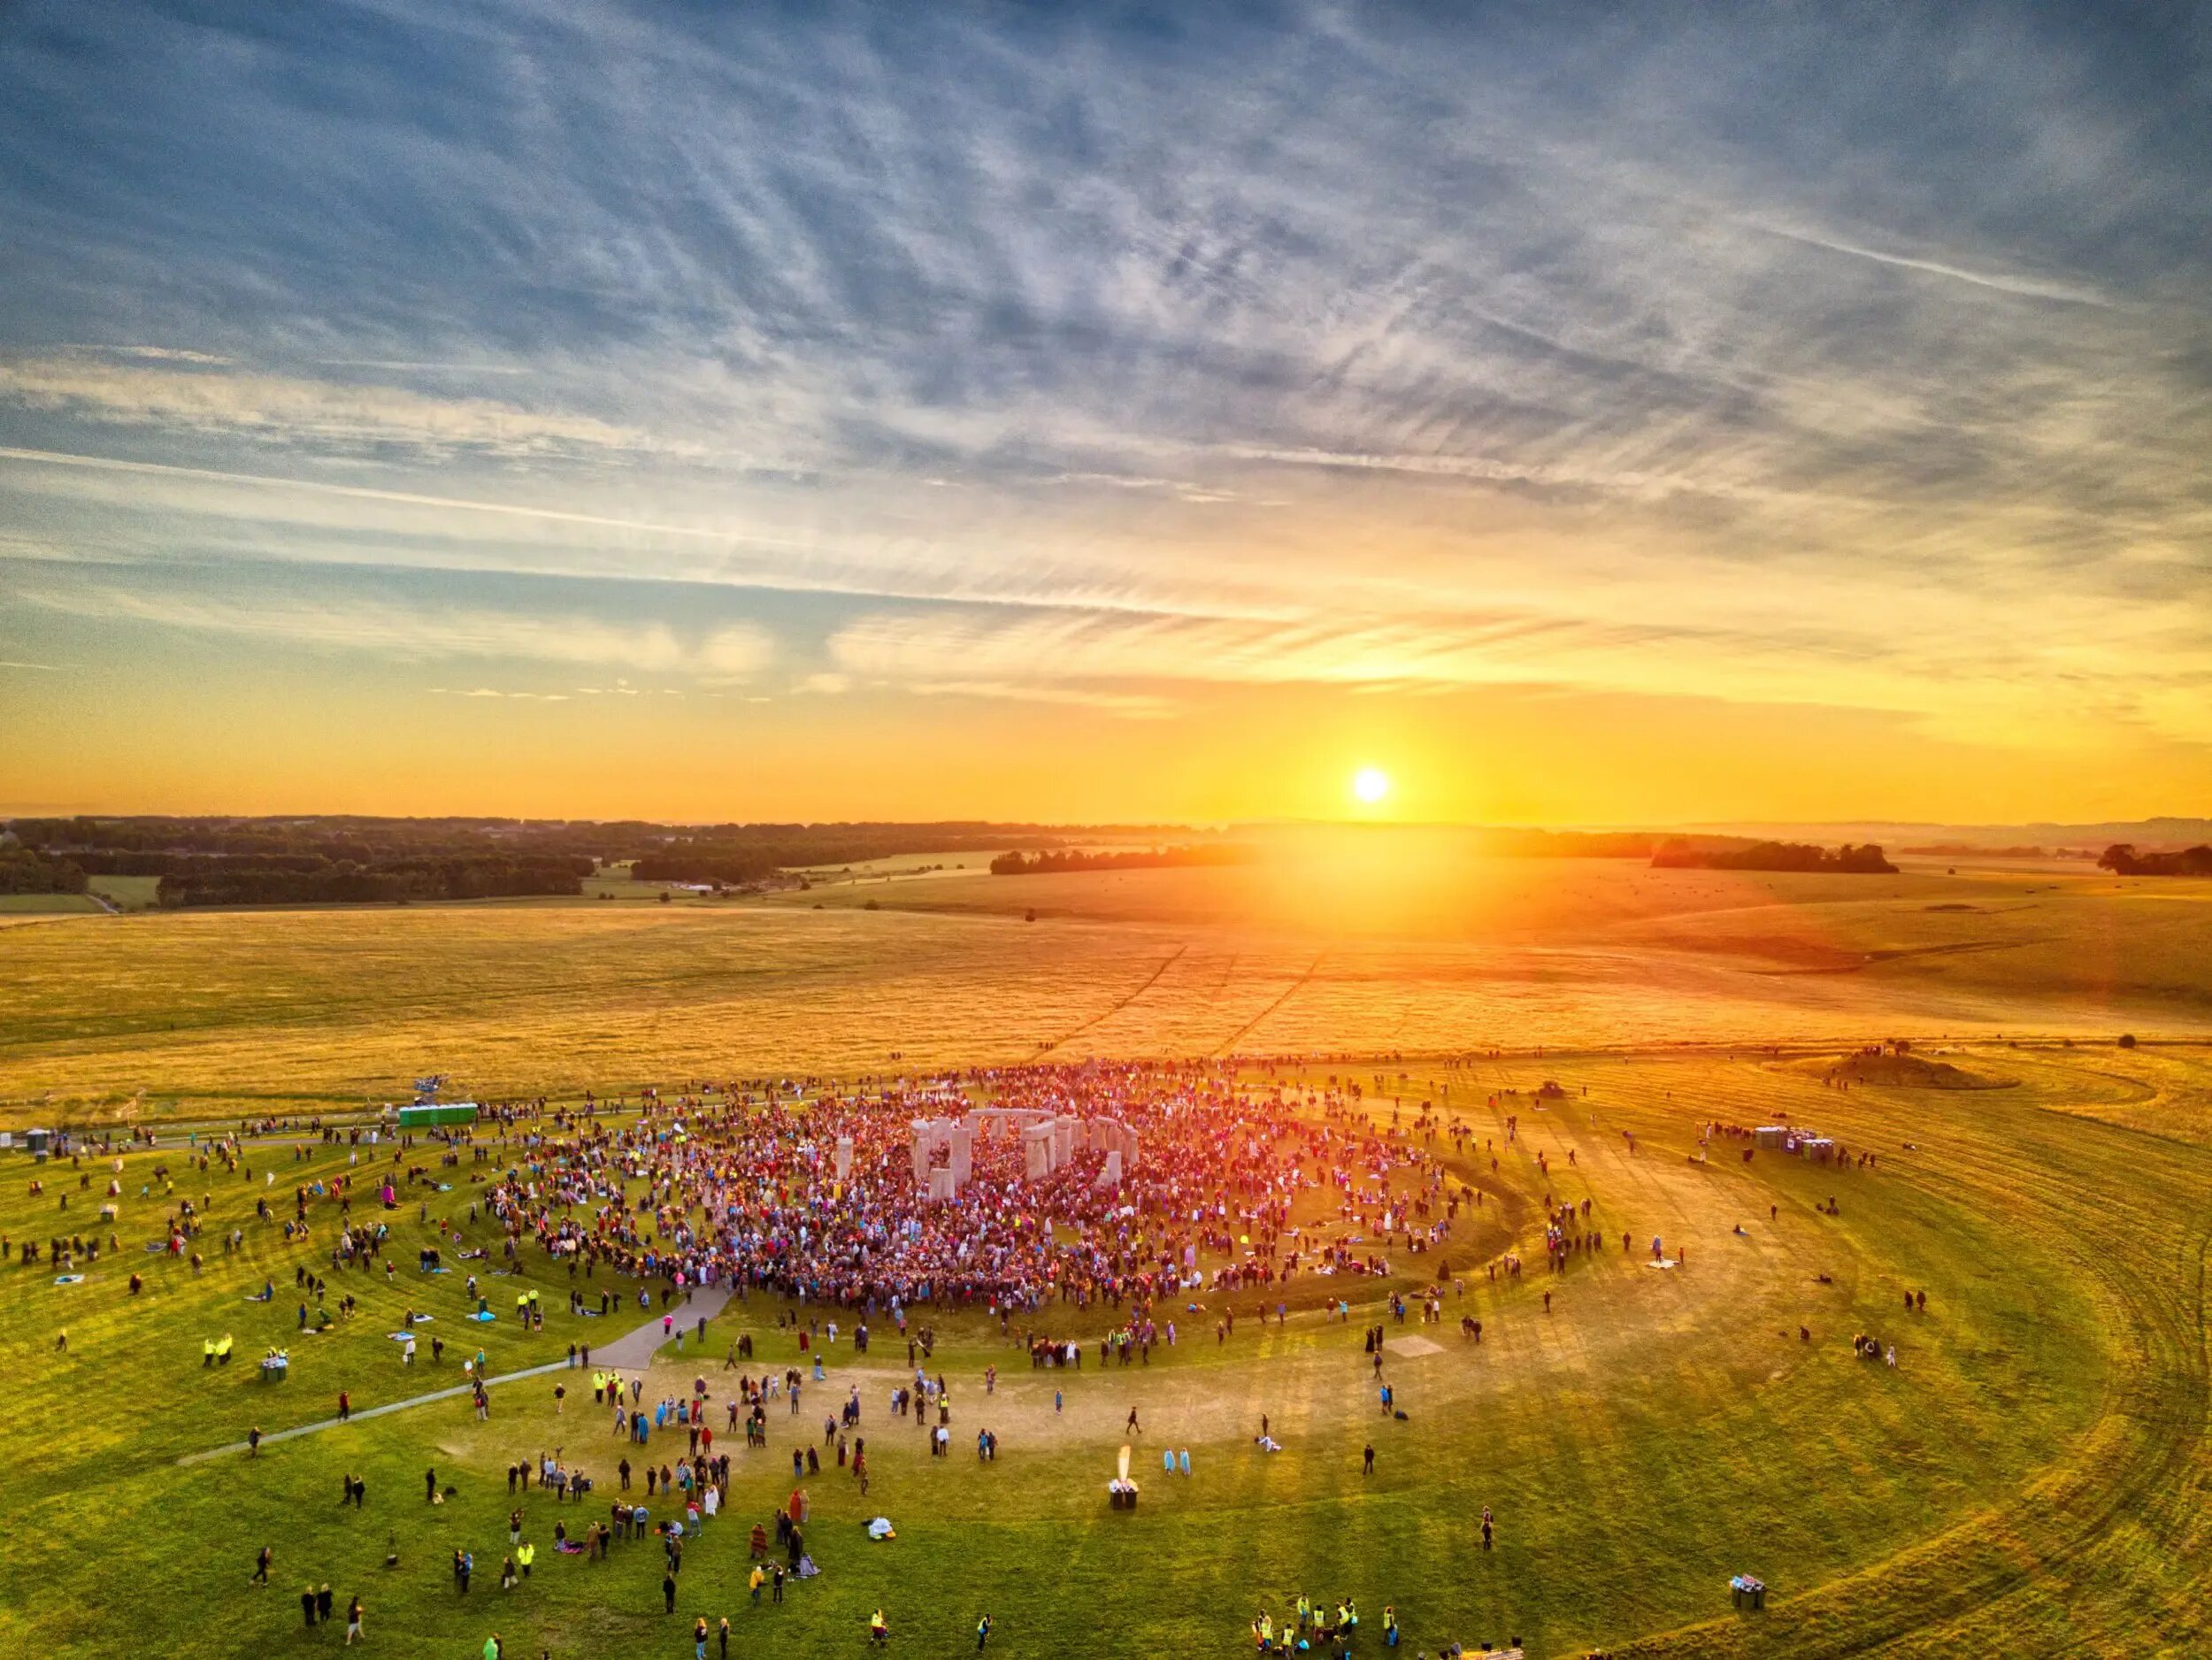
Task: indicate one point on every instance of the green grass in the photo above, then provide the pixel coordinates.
(2034, 1471)
(45, 904)
(129, 893)
(2032, 1478)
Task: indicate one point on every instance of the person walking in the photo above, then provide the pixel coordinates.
(353, 1621)
(261, 1566)
(982, 1633)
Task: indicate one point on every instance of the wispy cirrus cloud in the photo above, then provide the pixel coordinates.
(209, 399)
(1787, 357)
(395, 628)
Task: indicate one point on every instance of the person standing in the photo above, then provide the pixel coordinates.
(307, 1606)
(982, 1633)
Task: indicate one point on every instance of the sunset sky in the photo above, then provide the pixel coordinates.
(1613, 415)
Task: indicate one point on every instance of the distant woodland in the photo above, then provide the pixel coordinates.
(228, 861)
(2124, 860)
(1867, 860)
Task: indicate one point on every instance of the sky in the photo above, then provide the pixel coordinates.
(1582, 415)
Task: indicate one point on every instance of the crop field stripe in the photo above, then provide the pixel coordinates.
(1113, 1009)
(1230, 1042)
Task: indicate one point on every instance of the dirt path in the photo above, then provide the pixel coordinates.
(631, 1353)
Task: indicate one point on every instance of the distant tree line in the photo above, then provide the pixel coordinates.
(1048, 864)
(24, 871)
(725, 870)
(353, 859)
(2122, 858)
(1774, 856)
(343, 881)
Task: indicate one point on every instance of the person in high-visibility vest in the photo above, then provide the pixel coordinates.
(982, 1633)
(878, 1631)
(525, 1554)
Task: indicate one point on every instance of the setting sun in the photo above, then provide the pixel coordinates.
(1370, 784)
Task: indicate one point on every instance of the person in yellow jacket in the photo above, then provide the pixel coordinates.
(755, 1580)
(525, 1554)
(1262, 1632)
(878, 1629)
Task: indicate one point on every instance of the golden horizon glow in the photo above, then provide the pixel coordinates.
(1369, 785)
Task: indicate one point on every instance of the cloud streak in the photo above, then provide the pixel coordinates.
(1854, 358)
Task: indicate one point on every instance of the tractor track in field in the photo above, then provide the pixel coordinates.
(1949, 1581)
(1115, 1008)
(1228, 1044)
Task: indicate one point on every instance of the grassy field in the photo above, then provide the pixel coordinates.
(167, 1012)
(46, 904)
(2032, 1477)
(2032, 1472)
(126, 893)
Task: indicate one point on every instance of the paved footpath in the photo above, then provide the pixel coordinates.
(633, 1353)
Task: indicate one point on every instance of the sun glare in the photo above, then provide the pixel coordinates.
(1370, 784)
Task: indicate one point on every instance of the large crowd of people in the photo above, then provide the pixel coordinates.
(739, 1187)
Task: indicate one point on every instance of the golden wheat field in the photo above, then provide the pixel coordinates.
(294, 1007)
